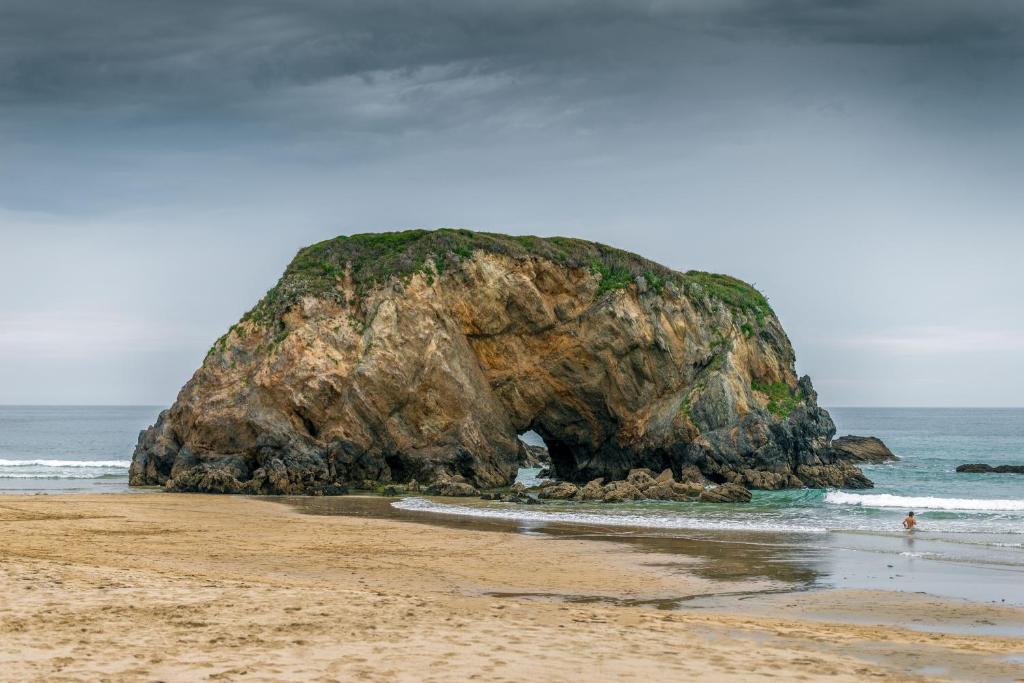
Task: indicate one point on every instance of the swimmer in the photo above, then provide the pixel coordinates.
(909, 523)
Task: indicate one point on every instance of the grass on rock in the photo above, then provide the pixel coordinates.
(781, 399)
(373, 259)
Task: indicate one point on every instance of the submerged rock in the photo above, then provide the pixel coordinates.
(989, 469)
(422, 355)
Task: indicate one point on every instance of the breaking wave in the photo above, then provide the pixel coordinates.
(886, 500)
(123, 464)
(63, 469)
(658, 521)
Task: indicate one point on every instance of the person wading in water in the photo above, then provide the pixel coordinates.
(909, 523)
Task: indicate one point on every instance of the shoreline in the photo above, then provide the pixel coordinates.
(186, 587)
(940, 564)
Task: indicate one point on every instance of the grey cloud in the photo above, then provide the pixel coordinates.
(195, 54)
(993, 26)
(857, 159)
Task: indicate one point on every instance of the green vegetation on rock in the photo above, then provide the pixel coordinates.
(372, 259)
(736, 294)
(612, 277)
(781, 399)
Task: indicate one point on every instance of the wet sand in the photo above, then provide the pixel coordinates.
(182, 587)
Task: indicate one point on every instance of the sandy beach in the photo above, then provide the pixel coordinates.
(190, 587)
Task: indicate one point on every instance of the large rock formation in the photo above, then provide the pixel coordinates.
(422, 355)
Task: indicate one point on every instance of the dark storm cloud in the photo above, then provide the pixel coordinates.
(954, 25)
(141, 55)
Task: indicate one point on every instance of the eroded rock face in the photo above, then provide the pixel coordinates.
(431, 373)
(857, 449)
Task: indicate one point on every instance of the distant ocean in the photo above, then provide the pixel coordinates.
(67, 449)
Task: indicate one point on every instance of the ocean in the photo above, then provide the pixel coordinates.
(965, 520)
(69, 449)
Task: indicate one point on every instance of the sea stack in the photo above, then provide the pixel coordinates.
(422, 355)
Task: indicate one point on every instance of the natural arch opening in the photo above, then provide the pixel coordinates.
(534, 453)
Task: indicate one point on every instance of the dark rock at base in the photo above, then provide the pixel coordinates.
(979, 468)
(545, 473)
(726, 493)
(866, 449)
(204, 480)
(331, 490)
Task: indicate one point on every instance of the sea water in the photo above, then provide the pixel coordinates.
(65, 449)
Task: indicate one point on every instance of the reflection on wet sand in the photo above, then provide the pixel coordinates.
(775, 561)
(972, 567)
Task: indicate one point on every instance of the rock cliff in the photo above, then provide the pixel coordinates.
(422, 355)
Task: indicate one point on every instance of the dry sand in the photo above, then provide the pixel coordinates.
(182, 587)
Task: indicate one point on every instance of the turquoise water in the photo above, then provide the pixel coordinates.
(930, 443)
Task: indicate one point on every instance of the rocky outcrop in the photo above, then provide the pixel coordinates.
(978, 468)
(421, 355)
(452, 486)
(642, 484)
(726, 493)
(861, 449)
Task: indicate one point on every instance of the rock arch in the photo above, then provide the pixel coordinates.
(433, 374)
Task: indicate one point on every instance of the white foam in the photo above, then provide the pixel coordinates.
(887, 500)
(122, 464)
(55, 475)
(661, 521)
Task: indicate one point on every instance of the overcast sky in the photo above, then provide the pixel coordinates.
(861, 162)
